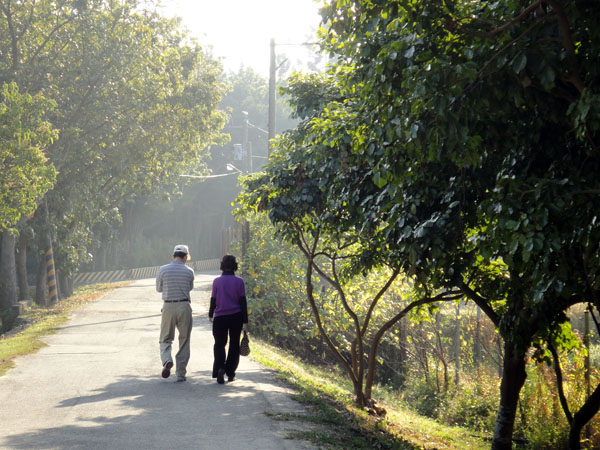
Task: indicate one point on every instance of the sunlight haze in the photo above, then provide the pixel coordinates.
(239, 31)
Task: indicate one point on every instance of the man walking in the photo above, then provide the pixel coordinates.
(175, 281)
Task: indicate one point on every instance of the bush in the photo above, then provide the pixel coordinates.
(474, 404)
(424, 397)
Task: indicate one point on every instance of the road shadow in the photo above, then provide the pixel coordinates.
(147, 412)
(129, 319)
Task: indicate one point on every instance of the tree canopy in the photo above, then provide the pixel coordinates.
(25, 174)
(461, 140)
(134, 105)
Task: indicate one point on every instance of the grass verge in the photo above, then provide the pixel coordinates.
(42, 321)
(340, 424)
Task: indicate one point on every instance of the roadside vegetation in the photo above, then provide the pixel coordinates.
(445, 168)
(340, 424)
(438, 371)
(36, 322)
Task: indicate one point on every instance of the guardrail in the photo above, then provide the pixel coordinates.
(136, 274)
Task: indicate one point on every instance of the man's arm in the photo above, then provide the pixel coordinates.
(159, 283)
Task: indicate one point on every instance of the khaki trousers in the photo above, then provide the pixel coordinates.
(176, 315)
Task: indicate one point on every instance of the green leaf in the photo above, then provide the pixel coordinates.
(547, 76)
(519, 63)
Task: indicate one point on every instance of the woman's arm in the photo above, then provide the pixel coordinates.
(244, 306)
(213, 305)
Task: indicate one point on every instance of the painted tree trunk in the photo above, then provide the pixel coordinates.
(513, 378)
(21, 259)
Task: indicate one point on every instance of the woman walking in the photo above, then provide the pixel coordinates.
(229, 314)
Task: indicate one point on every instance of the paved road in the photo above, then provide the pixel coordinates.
(98, 386)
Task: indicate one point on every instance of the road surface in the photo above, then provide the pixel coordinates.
(97, 385)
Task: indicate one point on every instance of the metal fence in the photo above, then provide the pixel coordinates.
(137, 274)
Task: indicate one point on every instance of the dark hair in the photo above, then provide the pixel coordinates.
(180, 254)
(229, 264)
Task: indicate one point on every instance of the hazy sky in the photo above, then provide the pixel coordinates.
(240, 30)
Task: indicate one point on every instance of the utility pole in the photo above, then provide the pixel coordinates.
(272, 104)
(247, 166)
(247, 155)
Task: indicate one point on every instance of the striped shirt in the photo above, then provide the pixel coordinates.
(175, 281)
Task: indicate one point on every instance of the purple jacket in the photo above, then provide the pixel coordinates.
(228, 296)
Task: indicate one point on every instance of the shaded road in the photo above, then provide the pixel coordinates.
(97, 386)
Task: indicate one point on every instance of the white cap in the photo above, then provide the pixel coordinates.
(181, 248)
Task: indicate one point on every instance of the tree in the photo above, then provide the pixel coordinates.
(149, 117)
(294, 191)
(136, 105)
(204, 205)
(25, 175)
(25, 172)
(466, 135)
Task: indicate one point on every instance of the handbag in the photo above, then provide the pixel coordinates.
(245, 345)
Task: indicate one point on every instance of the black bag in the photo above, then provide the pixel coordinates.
(245, 345)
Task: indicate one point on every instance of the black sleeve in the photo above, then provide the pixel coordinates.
(244, 305)
(213, 305)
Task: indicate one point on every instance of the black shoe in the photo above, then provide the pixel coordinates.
(166, 372)
(230, 378)
(220, 376)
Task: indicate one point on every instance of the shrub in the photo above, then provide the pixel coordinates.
(473, 404)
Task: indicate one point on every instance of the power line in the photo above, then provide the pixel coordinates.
(258, 128)
(300, 43)
(209, 176)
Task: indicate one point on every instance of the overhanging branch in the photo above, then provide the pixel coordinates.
(481, 302)
(506, 26)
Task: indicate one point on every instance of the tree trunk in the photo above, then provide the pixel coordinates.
(582, 417)
(457, 347)
(66, 284)
(440, 350)
(513, 378)
(477, 341)
(40, 281)
(101, 256)
(360, 398)
(51, 279)
(8, 271)
(58, 287)
(402, 353)
(22, 267)
(500, 356)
